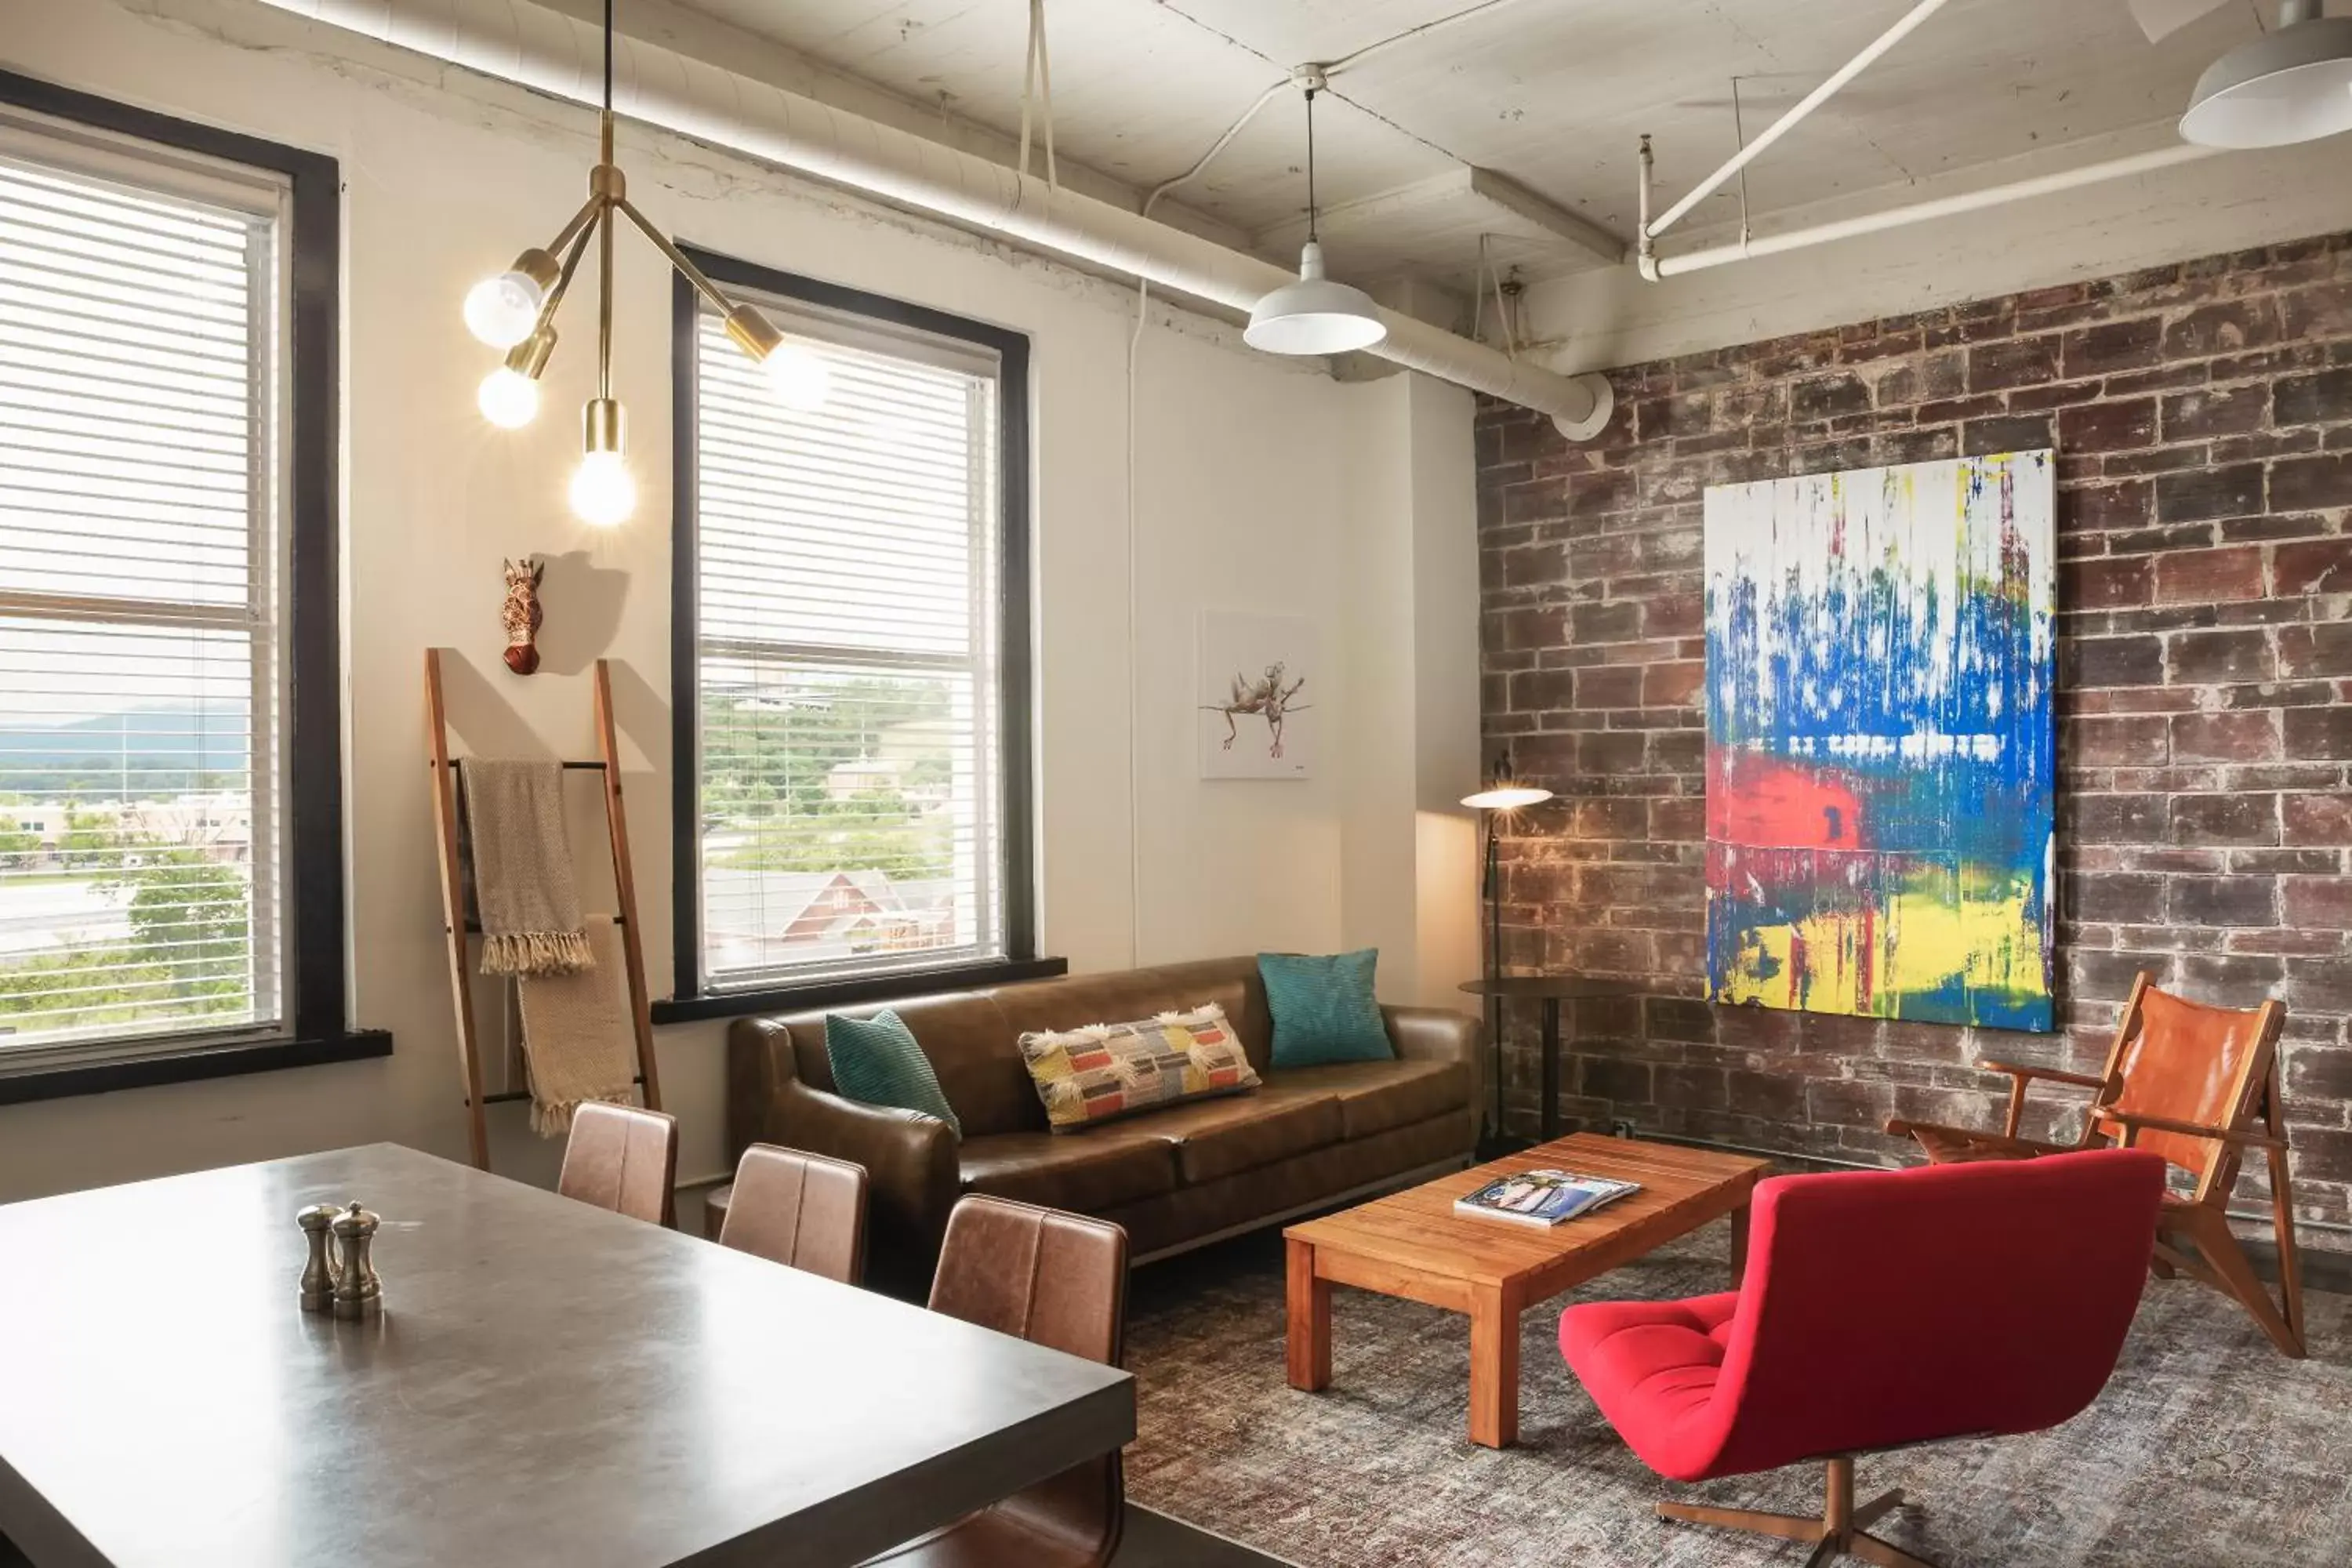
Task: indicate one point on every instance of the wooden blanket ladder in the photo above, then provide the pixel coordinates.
(461, 929)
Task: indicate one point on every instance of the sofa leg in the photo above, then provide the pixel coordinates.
(1840, 1530)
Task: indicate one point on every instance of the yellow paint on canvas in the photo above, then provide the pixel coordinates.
(1988, 938)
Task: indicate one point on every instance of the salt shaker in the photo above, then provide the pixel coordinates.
(359, 1293)
(318, 1267)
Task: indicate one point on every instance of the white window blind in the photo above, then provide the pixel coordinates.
(848, 582)
(139, 575)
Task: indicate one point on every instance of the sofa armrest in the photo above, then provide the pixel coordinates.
(909, 1158)
(1442, 1035)
(1435, 1035)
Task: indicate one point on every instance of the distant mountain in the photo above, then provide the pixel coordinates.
(175, 738)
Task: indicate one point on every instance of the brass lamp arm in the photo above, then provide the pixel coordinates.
(580, 235)
(579, 223)
(686, 270)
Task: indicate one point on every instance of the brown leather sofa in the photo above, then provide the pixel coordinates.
(1174, 1177)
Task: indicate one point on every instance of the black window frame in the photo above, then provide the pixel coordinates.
(1016, 693)
(316, 1019)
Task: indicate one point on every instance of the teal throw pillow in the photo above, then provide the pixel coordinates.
(875, 1061)
(1324, 1010)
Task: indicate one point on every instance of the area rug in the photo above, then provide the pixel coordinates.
(2208, 1449)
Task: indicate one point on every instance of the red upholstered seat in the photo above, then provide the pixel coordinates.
(1660, 1359)
(1885, 1307)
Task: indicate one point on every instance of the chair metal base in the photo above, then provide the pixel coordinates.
(1840, 1531)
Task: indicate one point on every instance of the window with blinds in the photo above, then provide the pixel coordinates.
(848, 571)
(139, 570)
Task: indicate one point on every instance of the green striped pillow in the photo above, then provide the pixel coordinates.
(875, 1061)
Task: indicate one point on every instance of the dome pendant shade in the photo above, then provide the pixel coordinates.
(1504, 794)
(2286, 86)
(1314, 315)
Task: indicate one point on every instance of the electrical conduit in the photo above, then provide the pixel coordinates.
(549, 52)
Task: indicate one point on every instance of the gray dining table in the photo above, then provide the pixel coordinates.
(548, 1383)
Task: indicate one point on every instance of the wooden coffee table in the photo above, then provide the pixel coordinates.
(1411, 1244)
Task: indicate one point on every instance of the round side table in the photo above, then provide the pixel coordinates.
(1551, 990)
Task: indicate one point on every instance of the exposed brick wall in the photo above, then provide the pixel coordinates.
(2203, 419)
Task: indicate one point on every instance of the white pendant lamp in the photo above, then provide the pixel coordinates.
(2291, 85)
(1314, 315)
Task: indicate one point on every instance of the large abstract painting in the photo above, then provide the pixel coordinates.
(1880, 756)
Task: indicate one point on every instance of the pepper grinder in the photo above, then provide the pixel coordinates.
(359, 1293)
(319, 1268)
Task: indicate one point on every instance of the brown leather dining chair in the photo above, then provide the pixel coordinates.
(1056, 1279)
(622, 1158)
(804, 1211)
(2199, 1086)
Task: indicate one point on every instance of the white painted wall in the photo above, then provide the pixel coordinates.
(1598, 320)
(1412, 612)
(1239, 477)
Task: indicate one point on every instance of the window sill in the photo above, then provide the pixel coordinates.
(865, 988)
(188, 1066)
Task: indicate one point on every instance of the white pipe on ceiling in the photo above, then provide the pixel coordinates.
(1923, 212)
(549, 52)
(1788, 122)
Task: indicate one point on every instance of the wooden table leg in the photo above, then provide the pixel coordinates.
(1493, 1369)
(1739, 1243)
(1310, 1298)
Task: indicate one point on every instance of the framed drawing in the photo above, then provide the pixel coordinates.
(1260, 682)
(1880, 758)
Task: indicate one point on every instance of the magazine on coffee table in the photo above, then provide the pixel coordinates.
(1542, 1198)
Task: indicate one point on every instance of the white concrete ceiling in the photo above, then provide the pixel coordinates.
(1546, 98)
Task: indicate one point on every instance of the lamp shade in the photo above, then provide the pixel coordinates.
(2290, 86)
(1505, 796)
(1314, 315)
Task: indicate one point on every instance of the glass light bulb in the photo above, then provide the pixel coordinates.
(603, 493)
(798, 376)
(509, 399)
(502, 310)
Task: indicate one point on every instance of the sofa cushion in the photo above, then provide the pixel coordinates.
(1107, 1071)
(1309, 1181)
(1221, 1137)
(1108, 1166)
(1376, 1096)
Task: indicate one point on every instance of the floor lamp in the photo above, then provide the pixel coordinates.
(1503, 796)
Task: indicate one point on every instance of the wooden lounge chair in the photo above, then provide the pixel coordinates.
(2199, 1086)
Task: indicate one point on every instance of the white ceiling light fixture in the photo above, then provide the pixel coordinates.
(2292, 85)
(1315, 315)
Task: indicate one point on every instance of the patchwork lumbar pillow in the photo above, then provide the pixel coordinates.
(1090, 1075)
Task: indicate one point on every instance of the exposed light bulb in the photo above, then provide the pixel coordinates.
(798, 375)
(509, 399)
(502, 310)
(603, 493)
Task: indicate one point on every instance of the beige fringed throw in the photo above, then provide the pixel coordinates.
(578, 1043)
(522, 868)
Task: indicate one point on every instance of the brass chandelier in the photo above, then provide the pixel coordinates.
(515, 312)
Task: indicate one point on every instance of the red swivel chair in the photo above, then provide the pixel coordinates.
(1880, 1308)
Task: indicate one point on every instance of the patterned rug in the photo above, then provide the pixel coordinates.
(2206, 1450)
